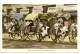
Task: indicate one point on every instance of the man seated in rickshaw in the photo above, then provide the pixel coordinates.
(27, 25)
(73, 28)
(11, 28)
(27, 22)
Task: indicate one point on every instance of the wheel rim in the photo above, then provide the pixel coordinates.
(52, 37)
(72, 39)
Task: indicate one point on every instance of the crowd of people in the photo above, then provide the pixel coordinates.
(58, 26)
(23, 27)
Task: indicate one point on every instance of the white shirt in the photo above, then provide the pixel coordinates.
(44, 31)
(12, 23)
(73, 27)
(40, 25)
(65, 28)
(56, 25)
(61, 20)
(27, 23)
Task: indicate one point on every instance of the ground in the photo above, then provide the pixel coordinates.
(33, 44)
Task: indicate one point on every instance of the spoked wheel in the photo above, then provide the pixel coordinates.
(22, 35)
(61, 39)
(41, 38)
(30, 37)
(73, 35)
(52, 37)
(72, 38)
(12, 35)
(26, 37)
(38, 37)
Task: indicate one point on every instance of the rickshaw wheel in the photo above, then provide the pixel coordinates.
(72, 38)
(38, 37)
(62, 39)
(30, 36)
(52, 37)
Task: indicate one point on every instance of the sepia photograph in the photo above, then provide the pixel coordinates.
(39, 26)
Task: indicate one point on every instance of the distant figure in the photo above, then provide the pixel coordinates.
(11, 24)
(11, 28)
(64, 30)
(27, 23)
(6, 26)
(73, 28)
(40, 25)
(56, 26)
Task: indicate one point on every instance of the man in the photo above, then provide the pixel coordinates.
(6, 26)
(64, 29)
(56, 26)
(10, 25)
(73, 27)
(43, 32)
(11, 28)
(57, 31)
(27, 23)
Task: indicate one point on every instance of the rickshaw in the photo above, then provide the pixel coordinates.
(15, 19)
(47, 19)
(71, 34)
(31, 29)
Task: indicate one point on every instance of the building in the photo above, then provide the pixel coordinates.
(9, 9)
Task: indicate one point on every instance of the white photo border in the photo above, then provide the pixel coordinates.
(40, 2)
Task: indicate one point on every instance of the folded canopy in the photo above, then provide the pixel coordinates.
(31, 16)
(17, 16)
(47, 16)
